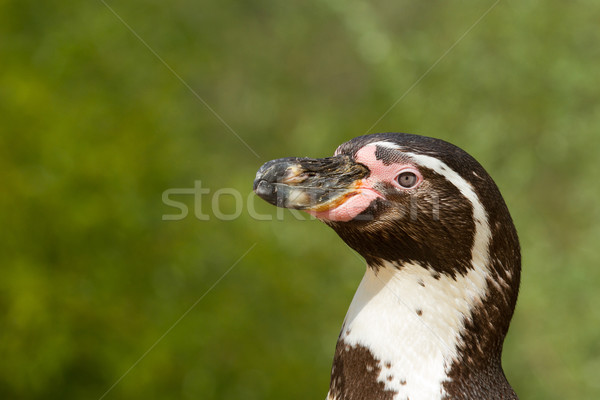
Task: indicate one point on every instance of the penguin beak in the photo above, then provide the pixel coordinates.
(313, 185)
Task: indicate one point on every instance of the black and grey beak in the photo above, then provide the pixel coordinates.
(307, 183)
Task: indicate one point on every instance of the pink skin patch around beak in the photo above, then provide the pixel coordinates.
(365, 192)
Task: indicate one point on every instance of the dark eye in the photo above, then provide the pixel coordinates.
(407, 179)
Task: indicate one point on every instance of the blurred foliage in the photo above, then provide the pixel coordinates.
(94, 127)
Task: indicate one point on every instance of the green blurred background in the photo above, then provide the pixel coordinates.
(94, 128)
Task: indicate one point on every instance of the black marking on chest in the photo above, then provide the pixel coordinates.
(354, 374)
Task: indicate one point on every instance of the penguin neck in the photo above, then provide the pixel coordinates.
(404, 332)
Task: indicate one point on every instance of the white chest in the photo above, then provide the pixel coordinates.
(411, 323)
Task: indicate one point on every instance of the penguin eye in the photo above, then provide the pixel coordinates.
(407, 179)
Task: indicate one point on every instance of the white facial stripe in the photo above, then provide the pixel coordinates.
(384, 314)
(388, 145)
